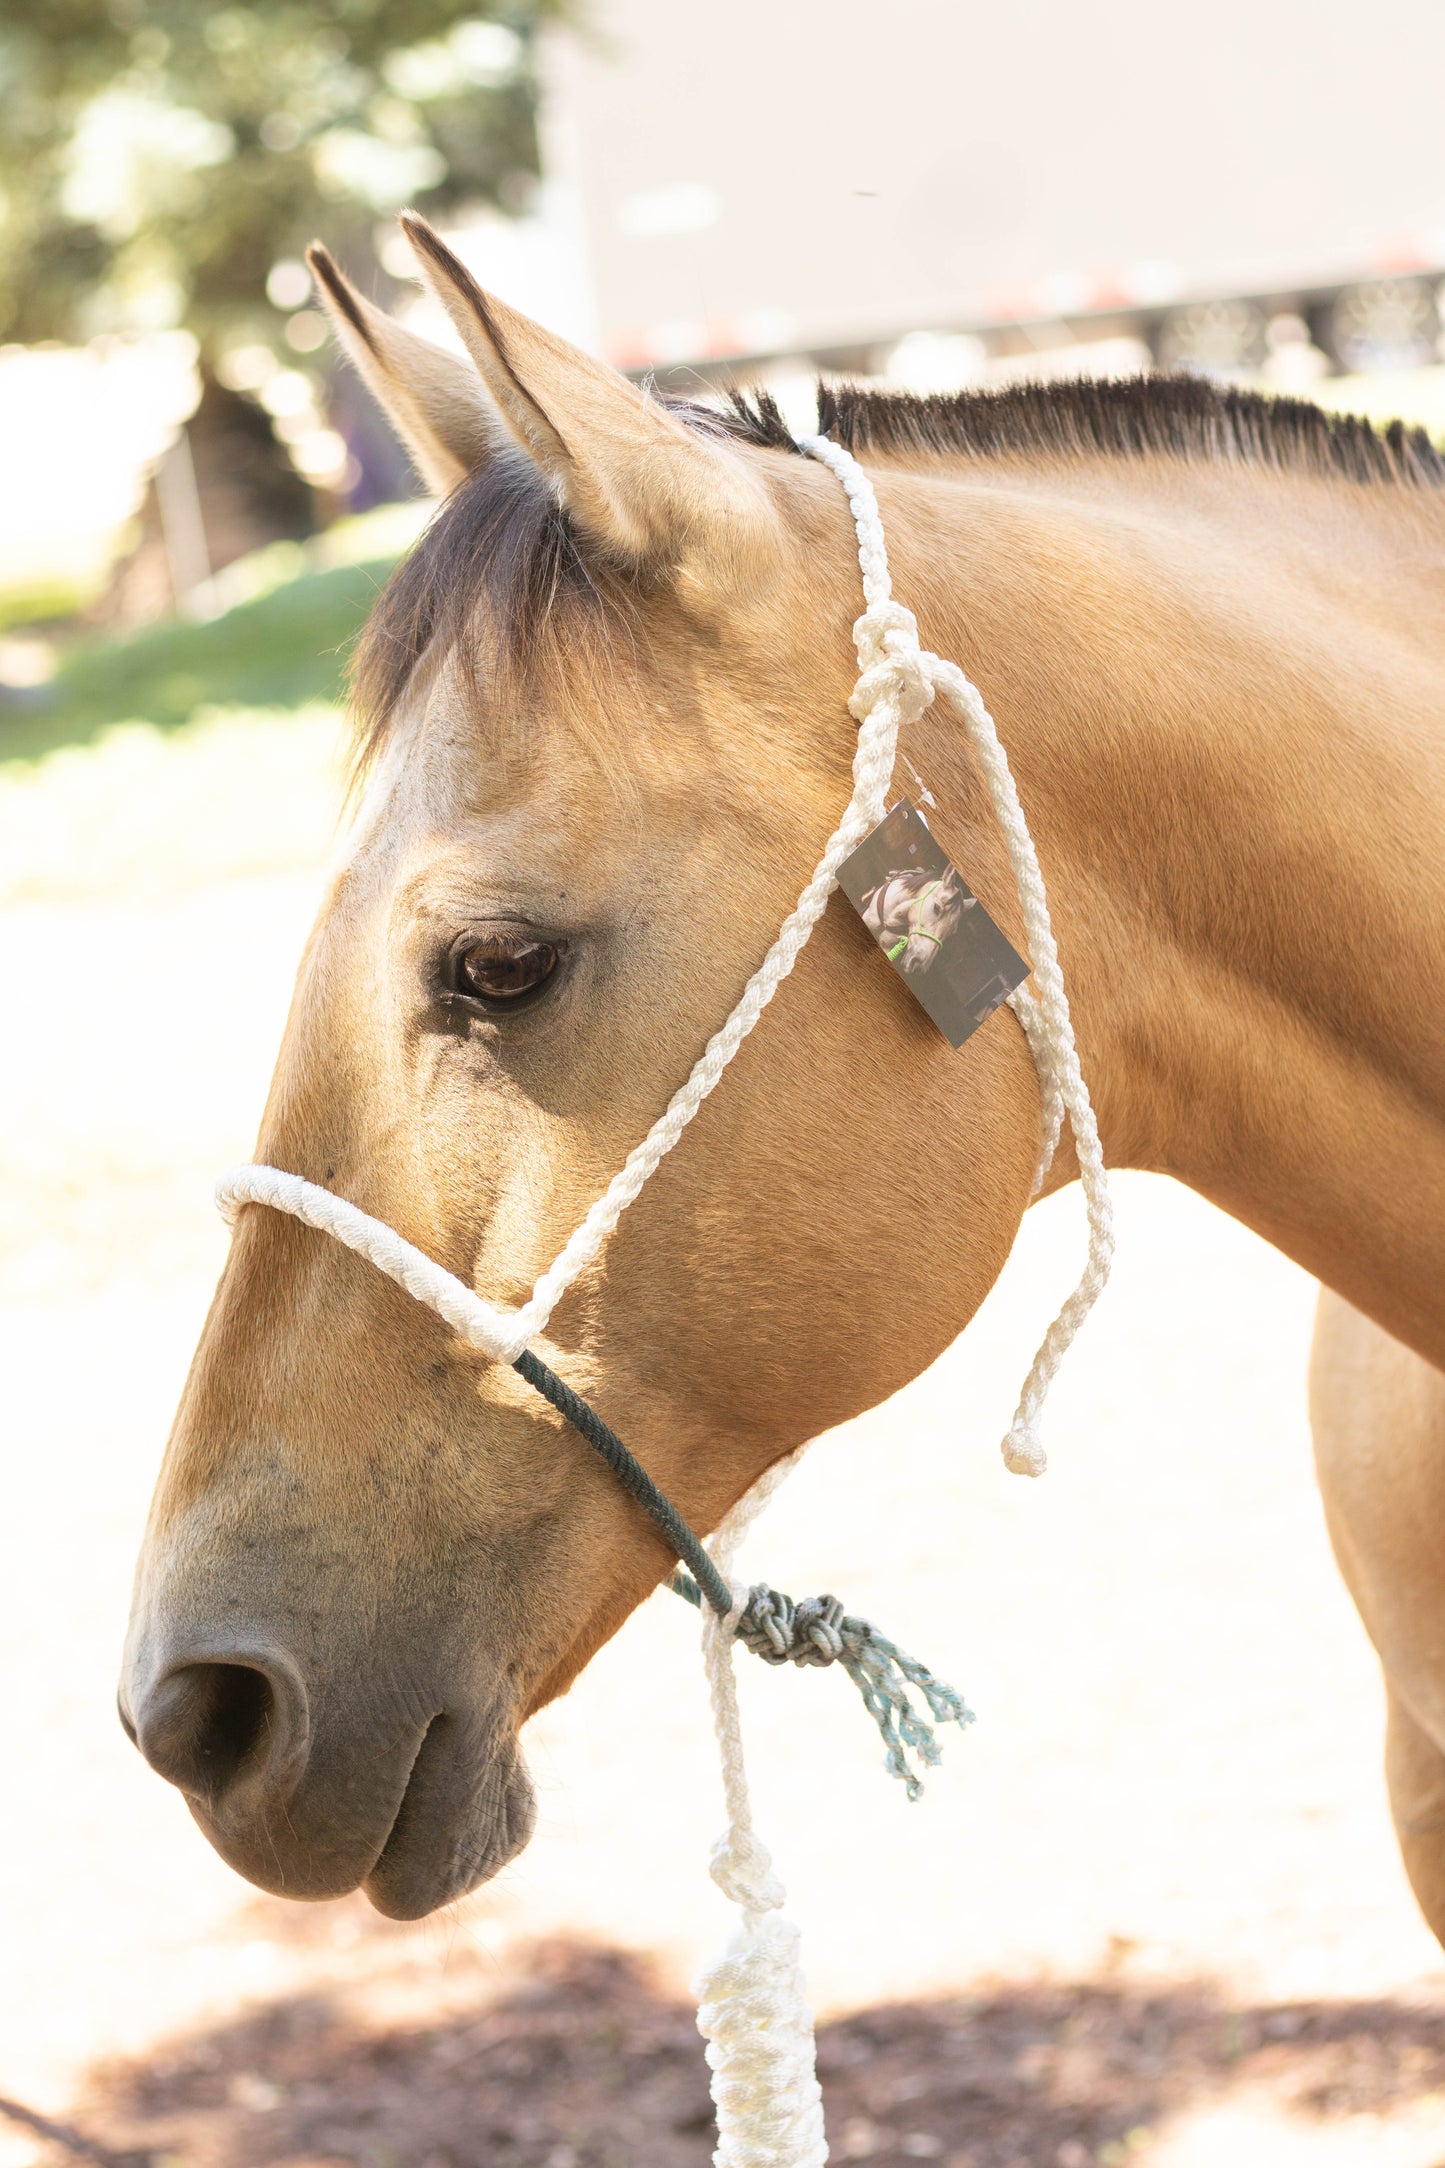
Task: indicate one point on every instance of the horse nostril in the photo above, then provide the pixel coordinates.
(208, 1726)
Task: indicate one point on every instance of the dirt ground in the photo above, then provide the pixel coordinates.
(1148, 1914)
(579, 2057)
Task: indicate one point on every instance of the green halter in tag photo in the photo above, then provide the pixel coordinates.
(916, 932)
(929, 924)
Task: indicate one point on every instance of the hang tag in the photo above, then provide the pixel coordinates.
(929, 924)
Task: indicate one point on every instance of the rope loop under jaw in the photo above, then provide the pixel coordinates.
(815, 1631)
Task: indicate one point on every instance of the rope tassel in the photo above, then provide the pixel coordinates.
(819, 1632)
(752, 2002)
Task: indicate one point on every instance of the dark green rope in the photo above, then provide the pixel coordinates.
(633, 1477)
(816, 1631)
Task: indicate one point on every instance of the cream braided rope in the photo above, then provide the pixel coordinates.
(752, 2005)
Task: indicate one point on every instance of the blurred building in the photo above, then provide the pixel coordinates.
(936, 189)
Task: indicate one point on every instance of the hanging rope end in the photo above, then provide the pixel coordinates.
(753, 2013)
(1023, 1453)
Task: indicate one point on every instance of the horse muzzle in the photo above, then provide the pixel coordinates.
(415, 1796)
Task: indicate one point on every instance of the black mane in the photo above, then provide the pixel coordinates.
(503, 539)
(1172, 417)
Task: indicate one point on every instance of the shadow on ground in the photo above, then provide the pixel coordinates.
(563, 2055)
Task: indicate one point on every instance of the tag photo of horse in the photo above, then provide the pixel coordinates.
(930, 925)
(911, 913)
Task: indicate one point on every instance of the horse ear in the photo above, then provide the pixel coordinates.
(431, 398)
(635, 479)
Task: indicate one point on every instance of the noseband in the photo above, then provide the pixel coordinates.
(753, 2012)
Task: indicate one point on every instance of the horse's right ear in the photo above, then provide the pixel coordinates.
(434, 400)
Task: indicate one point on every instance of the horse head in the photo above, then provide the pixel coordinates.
(935, 911)
(605, 730)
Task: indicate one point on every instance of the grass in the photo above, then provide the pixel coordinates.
(277, 652)
(283, 642)
(195, 753)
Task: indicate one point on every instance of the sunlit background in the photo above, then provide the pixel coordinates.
(1149, 1914)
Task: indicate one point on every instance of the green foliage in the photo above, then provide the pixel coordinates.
(159, 157)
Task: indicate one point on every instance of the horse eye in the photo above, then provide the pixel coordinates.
(501, 967)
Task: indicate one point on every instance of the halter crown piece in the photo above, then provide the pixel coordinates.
(753, 2010)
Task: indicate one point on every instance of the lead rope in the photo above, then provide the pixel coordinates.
(752, 2003)
(753, 2011)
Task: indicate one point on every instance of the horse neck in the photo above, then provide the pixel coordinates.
(1222, 690)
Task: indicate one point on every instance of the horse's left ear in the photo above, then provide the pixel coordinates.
(635, 479)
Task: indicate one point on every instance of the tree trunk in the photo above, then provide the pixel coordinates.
(249, 494)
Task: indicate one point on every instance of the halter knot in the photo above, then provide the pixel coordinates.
(890, 660)
(784, 1632)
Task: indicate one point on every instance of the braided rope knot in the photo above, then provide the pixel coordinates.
(784, 1632)
(817, 1631)
(890, 660)
(742, 1867)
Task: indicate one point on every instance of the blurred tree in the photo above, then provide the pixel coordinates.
(164, 162)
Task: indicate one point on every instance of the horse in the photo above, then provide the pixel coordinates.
(911, 914)
(603, 732)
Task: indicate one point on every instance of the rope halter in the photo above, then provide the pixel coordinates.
(752, 2007)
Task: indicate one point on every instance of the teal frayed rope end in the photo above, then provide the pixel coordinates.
(818, 1631)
